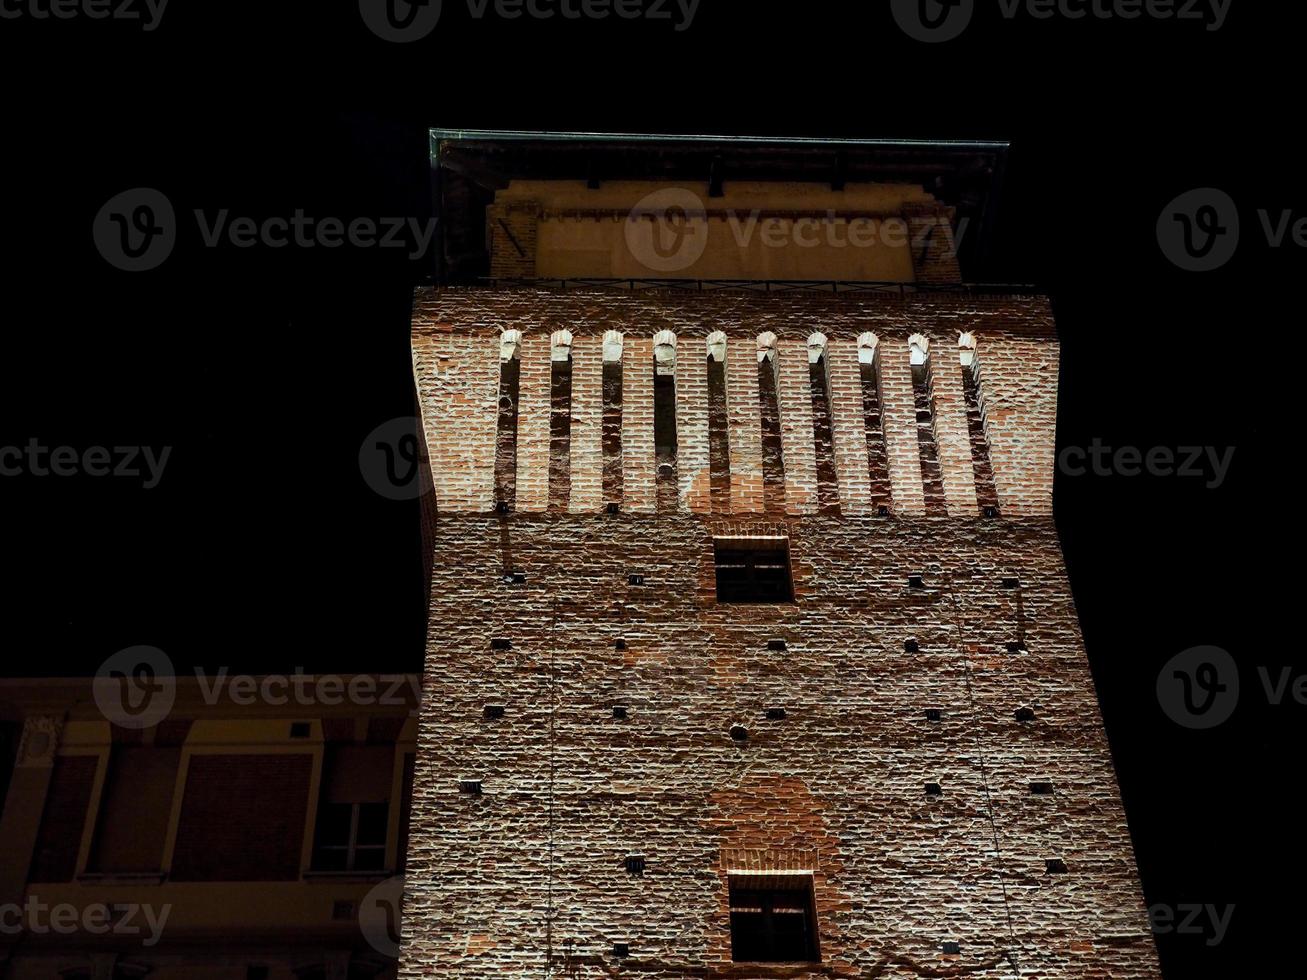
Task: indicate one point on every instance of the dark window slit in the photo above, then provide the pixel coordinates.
(560, 434)
(611, 437)
(719, 451)
(874, 425)
(823, 434)
(506, 437)
(932, 477)
(986, 491)
(773, 457)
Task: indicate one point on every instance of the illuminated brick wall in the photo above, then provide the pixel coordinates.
(919, 650)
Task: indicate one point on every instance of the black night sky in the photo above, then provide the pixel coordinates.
(262, 549)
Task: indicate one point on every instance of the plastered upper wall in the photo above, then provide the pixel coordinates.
(751, 230)
(456, 348)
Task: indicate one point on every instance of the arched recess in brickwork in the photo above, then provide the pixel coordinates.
(977, 425)
(611, 423)
(665, 419)
(773, 459)
(560, 419)
(719, 447)
(873, 422)
(823, 429)
(923, 396)
(510, 370)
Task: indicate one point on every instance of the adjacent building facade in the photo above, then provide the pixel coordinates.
(218, 828)
(752, 651)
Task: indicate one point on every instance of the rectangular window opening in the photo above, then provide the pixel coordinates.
(753, 570)
(773, 919)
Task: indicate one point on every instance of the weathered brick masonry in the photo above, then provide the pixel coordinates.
(533, 866)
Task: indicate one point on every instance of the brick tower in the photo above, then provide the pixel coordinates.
(751, 651)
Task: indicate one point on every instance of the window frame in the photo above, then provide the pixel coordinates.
(743, 591)
(763, 887)
(352, 847)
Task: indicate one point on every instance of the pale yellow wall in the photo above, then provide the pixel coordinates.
(756, 230)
